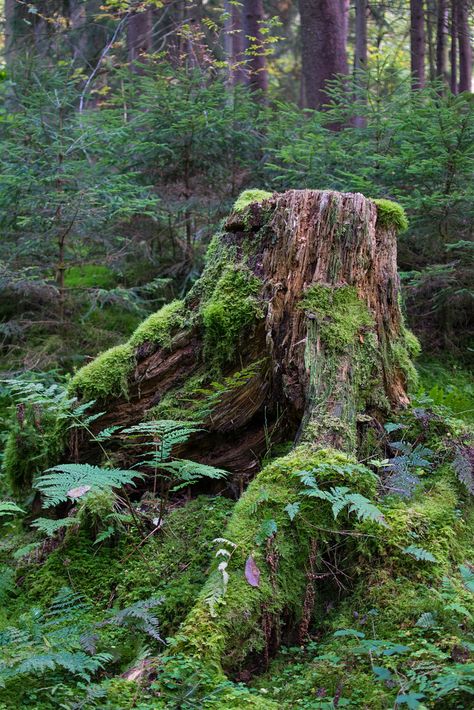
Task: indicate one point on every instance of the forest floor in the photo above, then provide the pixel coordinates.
(397, 636)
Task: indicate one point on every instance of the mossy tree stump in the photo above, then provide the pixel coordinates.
(297, 317)
(294, 331)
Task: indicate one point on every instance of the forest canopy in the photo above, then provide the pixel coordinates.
(236, 347)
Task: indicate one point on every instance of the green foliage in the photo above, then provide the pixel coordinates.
(50, 641)
(70, 482)
(8, 508)
(391, 214)
(340, 312)
(340, 497)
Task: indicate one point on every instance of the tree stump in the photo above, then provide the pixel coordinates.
(293, 334)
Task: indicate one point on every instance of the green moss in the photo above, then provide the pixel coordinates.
(173, 563)
(391, 214)
(216, 631)
(230, 310)
(340, 313)
(247, 197)
(106, 376)
(31, 448)
(160, 327)
(90, 276)
(402, 351)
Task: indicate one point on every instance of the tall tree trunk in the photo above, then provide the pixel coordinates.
(360, 55)
(139, 37)
(453, 49)
(441, 40)
(465, 48)
(234, 43)
(78, 23)
(324, 55)
(431, 24)
(257, 75)
(417, 43)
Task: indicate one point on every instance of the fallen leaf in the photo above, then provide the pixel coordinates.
(78, 492)
(252, 573)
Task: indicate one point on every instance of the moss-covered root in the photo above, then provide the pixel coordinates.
(261, 570)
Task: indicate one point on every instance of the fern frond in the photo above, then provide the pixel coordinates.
(50, 527)
(68, 481)
(8, 507)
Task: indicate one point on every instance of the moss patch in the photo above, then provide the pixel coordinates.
(160, 327)
(247, 197)
(341, 314)
(106, 376)
(216, 631)
(32, 447)
(391, 214)
(230, 310)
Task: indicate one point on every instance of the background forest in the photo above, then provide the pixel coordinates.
(127, 132)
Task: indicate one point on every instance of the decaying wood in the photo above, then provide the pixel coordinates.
(298, 239)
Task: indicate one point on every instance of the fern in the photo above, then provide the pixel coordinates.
(50, 527)
(72, 481)
(165, 434)
(7, 507)
(60, 642)
(138, 616)
(190, 472)
(341, 497)
(420, 554)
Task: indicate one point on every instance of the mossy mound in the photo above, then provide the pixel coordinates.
(391, 214)
(173, 563)
(248, 197)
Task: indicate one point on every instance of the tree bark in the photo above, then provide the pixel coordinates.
(234, 43)
(465, 49)
(323, 39)
(441, 40)
(139, 37)
(360, 55)
(257, 75)
(453, 81)
(417, 44)
(305, 238)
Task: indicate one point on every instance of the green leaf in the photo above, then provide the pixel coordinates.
(419, 553)
(292, 509)
(349, 632)
(268, 528)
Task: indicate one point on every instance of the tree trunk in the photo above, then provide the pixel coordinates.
(417, 44)
(139, 37)
(465, 49)
(294, 331)
(441, 40)
(453, 49)
(78, 23)
(234, 43)
(360, 56)
(323, 39)
(257, 75)
(431, 24)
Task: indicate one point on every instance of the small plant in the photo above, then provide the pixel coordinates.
(160, 437)
(340, 497)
